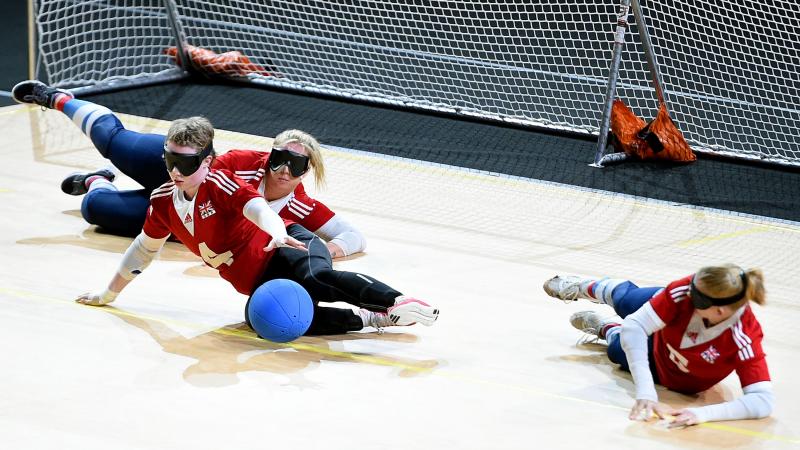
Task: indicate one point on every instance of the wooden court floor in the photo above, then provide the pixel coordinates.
(170, 365)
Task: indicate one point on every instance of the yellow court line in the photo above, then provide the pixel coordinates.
(722, 236)
(15, 109)
(391, 363)
(231, 332)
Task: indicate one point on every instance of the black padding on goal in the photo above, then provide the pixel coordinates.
(723, 184)
(14, 50)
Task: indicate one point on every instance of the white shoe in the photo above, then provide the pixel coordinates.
(376, 320)
(406, 311)
(590, 323)
(409, 310)
(568, 289)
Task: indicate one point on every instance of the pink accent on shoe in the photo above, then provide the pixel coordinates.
(409, 310)
(406, 299)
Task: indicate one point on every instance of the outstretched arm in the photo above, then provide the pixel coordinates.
(258, 211)
(137, 257)
(635, 330)
(756, 403)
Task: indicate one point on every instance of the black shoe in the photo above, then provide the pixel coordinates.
(36, 92)
(75, 184)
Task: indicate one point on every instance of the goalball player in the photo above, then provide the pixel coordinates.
(278, 174)
(227, 223)
(687, 337)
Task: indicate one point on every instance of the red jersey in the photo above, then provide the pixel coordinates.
(690, 357)
(251, 166)
(213, 227)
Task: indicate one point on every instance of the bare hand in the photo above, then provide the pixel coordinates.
(644, 410)
(288, 241)
(683, 418)
(96, 299)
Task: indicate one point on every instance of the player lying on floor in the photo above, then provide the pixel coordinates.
(227, 223)
(278, 175)
(687, 337)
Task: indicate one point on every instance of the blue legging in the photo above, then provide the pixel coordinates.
(628, 298)
(138, 156)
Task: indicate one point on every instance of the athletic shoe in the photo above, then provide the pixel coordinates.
(567, 288)
(591, 323)
(36, 92)
(75, 183)
(409, 310)
(377, 320)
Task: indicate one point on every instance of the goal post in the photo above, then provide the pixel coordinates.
(730, 75)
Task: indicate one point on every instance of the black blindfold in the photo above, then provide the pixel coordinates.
(297, 163)
(703, 301)
(187, 164)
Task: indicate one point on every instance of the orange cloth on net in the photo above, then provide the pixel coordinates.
(229, 63)
(659, 139)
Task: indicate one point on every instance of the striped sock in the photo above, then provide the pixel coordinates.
(99, 182)
(60, 100)
(610, 332)
(83, 113)
(602, 290)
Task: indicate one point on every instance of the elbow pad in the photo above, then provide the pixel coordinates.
(343, 234)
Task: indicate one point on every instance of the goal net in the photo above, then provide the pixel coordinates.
(730, 68)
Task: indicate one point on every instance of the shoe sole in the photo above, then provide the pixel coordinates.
(413, 312)
(15, 94)
(555, 292)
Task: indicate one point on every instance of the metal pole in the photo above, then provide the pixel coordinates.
(613, 74)
(180, 37)
(31, 40)
(655, 74)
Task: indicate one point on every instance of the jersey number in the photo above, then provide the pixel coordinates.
(678, 359)
(215, 260)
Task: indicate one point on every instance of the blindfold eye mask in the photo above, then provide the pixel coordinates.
(187, 164)
(297, 163)
(703, 301)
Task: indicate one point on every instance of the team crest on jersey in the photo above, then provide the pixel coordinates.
(206, 210)
(710, 355)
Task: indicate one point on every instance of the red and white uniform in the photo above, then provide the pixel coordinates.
(298, 207)
(690, 357)
(213, 227)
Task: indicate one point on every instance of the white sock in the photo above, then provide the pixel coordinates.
(102, 183)
(603, 289)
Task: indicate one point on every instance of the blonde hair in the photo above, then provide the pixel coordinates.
(196, 132)
(312, 147)
(726, 281)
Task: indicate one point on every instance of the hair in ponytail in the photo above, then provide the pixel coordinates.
(726, 280)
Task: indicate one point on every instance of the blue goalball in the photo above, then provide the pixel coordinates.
(280, 310)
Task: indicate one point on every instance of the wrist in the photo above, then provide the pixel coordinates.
(108, 296)
(698, 414)
(335, 250)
